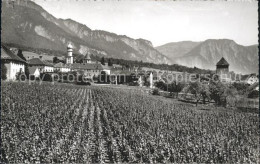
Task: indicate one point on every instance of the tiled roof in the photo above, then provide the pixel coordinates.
(7, 54)
(32, 70)
(222, 61)
(87, 66)
(38, 62)
(61, 65)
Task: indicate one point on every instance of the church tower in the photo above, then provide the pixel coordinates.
(69, 59)
(87, 58)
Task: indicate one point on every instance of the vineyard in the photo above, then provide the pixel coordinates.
(75, 124)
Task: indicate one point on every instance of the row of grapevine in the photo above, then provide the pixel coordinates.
(78, 124)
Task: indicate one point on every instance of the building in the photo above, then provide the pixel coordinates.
(107, 69)
(42, 65)
(34, 71)
(69, 58)
(250, 79)
(87, 58)
(222, 70)
(88, 67)
(61, 67)
(13, 63)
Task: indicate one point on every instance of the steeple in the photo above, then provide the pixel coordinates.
(87, 58)
(69, 59)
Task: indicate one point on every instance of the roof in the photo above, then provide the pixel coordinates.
(222, 62)
(7, 54)
(88, 56)
(87, 66)
(61, 65)
(254, 86)
(106, 67)
(69, 46)
(37, 61)
(32, 70)
(246, 77)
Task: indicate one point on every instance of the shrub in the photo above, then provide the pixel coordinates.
(155, 92)
(253, 94)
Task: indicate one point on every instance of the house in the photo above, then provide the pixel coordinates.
(61, 67)
(107, 69)
(254, 86)
(89, 69)
(250, 79)
(34, 71)
(42, 65)
(13, 63)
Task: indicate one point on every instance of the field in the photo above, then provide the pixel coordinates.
(65, 123)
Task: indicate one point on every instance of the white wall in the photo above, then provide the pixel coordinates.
(252, 80)
(12, 69)
(107, 71)
(63, 69)
(48, 69)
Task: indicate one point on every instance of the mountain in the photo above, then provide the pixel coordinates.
(241, 59)
(28, 24)
(176, 49)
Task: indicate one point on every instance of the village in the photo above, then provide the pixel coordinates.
(37, 65)
(154, 81)
(129, 82)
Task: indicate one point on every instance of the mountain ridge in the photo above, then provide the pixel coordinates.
(33, 26)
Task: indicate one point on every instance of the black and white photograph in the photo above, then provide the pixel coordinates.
(129, 81)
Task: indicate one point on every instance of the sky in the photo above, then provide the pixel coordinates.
(165, 21)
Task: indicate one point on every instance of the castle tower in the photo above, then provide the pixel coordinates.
(69, 59)
(222, 69)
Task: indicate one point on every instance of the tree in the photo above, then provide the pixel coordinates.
(216, 89)
(55, 60)
(110, 62)
(253, 94)
(26, 71)
(102, 61)
(176, 87)
(242, 88)
(20, 54)
(219, 92)
(199, 90)
(160, 85)
(3, 71)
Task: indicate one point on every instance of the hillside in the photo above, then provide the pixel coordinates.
(176, 49)
(29, 25)
(242, 59)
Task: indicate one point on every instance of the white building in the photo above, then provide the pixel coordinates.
(43, 66)
(60, 67)
(250, 79)
(69, 58)
(13, 63)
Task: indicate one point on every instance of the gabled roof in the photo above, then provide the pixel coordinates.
(7, 54)
(222, 62)
(38, 62)
(32, 70)
(87, 66)
(61, 65)
(246, 77)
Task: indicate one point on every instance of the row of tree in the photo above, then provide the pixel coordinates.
(215, 90)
